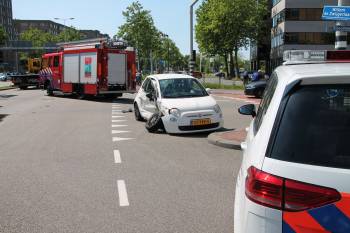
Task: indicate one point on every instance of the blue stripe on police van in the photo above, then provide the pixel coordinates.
(286, 228)
(331, 218)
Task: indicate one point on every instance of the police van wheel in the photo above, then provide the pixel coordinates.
(154, 123)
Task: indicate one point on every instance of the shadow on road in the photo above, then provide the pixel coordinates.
(99, 99)
(6, 96)
(2, 116)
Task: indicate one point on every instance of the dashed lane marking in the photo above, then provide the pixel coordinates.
(117, 126)
(116, 121)
(119, 131)
(118, 116)
(117, 158)
(123, 195)
(118, 139)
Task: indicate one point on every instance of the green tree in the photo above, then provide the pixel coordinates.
(139, 31)
(3, 35)
(224, 26)
(38, 37)
(68, 34)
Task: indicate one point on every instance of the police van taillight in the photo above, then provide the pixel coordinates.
(285, 194)
(315, 56)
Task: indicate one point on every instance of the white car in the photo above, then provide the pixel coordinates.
(183, 103)
(295, 173)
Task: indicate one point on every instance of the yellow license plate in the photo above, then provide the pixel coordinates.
(200, 122)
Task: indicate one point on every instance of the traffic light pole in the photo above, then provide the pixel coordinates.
(341, 37)
(192, 59)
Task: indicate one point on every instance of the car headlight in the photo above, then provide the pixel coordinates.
(175, 112)
(217, 108)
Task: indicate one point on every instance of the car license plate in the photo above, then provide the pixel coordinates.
(200, 122)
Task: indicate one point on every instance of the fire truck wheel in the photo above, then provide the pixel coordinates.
(154, 123)
(137, 113)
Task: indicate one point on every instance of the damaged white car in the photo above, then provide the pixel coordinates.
(176, 103)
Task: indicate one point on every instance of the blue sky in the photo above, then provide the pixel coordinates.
(170, 16)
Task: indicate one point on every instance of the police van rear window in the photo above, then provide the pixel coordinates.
(315, 127)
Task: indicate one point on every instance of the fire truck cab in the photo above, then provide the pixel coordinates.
(90, 67)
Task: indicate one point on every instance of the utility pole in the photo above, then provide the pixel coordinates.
(341, 37)
(192, 61)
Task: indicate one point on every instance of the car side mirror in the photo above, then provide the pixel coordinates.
(248, 110)
(208, 90)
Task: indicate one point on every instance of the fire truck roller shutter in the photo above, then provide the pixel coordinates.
(88, 68)
(117, 69)
(71, 68)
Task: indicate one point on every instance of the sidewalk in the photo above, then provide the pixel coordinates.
(6, 85)
(230, 139)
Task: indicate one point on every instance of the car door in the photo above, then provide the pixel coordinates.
(142, 95)
(150, 103)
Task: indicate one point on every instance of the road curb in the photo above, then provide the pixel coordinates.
(217, 138)
(7, 88)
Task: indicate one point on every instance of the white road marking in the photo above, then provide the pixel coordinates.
(117, 126)
(237, 99)
(117, 116)
(116, 107)
(115, 121)
(117, 158)
(117, 139)
(116, 110)
(123, 195)
(119, 131)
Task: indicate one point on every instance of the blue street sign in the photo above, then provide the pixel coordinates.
(336, 13)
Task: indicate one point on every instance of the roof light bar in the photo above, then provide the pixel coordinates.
(301, 56)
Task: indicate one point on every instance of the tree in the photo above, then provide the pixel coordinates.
(3, 35)
(68, 34)
(38, 37)
(224, 26)
(139, 31)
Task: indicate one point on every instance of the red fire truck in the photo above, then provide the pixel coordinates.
(90, 67)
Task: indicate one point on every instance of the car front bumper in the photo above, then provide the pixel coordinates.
(183, 124)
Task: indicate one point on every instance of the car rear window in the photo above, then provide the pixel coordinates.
(315, 127)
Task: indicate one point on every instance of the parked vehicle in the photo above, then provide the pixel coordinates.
(90, 67)
(178, 103)
(255, 88)
(295, 171)
(3, 77)
(30, 77)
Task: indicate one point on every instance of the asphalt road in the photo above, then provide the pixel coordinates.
(63, 169)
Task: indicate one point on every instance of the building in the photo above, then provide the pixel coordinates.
(44, 25)
(91, 34)
(260, 50)
(297, 24)
(7, 59)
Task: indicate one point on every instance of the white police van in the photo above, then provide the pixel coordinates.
(295, 174)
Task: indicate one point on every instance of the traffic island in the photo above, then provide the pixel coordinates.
(231, 139)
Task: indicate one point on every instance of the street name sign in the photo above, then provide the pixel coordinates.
(337, 13)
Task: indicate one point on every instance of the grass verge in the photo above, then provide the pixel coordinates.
(225, 87)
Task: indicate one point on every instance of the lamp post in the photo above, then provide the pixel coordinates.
(192, 61)
(64, 23)
(341, 37)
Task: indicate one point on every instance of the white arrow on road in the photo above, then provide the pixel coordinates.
(117, 139)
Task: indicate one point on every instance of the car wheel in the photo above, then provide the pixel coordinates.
(154, 123)
(23, 87)
(137, 113)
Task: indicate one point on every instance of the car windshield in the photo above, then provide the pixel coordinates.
(181, 88)
(315, 127)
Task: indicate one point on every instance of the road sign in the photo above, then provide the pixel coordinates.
(340, 28)
(336, 13)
